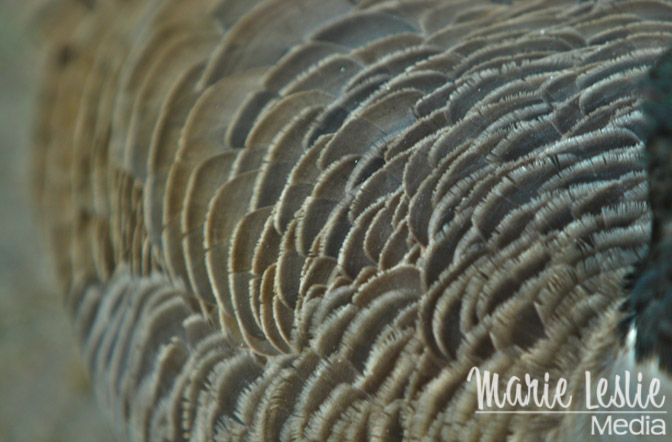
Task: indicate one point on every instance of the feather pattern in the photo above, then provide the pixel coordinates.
(309, 220)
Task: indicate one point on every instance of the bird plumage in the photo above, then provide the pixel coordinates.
(309, 220)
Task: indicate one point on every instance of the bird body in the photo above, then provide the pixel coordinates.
(312, 220)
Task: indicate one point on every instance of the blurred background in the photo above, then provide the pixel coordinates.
(44, 391)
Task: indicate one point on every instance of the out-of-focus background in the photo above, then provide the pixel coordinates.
(44, 392)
